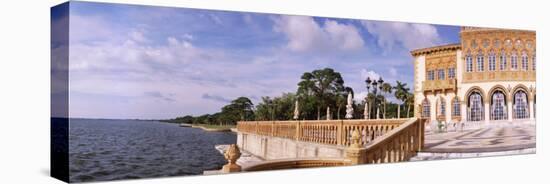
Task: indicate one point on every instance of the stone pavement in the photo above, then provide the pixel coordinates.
(489, 139)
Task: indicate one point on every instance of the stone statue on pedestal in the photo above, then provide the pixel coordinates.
(349, 107)
(366, 111)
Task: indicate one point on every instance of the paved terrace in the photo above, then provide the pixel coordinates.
(490, 139)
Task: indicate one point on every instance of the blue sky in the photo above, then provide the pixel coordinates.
(130, 61)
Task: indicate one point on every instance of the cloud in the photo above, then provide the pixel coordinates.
(369, 73)
(215, 98)
(158, 95)
(305, 34)
(138, 36)
(398, 34)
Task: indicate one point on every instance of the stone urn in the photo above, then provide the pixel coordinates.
(231, 155)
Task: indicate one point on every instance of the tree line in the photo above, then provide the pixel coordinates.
(317, 91)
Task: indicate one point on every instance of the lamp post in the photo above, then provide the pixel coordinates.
(376, 87)
(369, 82)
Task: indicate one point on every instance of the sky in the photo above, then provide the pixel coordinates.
(147, 62)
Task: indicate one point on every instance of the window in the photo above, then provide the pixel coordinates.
(430, 75)
(503, 60)
(519, 44)
(534, 62)
(475, 108)
(480, 62)
(451, 73)
(498, 106)
(456, 107)
(442, 105)
(496, 44)
(469, 65)
(520, 105)
(425, 108)
(514, 61)
(441, 74)
(524, 61)
(492, 61)
(485, 43)
(508, 43)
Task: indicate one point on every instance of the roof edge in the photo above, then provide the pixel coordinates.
(454, 46)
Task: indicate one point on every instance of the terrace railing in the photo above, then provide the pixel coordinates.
(332, 132)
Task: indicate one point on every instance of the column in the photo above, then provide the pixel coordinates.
(463, 111)
(433, 108)
(531, 112)
(510, 109)
(487, 112)
(448, 107)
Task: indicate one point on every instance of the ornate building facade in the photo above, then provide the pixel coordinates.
(489, 77)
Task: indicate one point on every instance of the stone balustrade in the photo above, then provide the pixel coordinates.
(288, 144)
(331, 132)
(396, 145)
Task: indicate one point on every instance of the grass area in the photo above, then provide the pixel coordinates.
(215, 126)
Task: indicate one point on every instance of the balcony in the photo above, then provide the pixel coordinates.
(434, 85)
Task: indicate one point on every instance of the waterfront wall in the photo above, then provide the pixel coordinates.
(269, 148)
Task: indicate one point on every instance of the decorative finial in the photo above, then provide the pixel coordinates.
(356, 139)
(231, 155)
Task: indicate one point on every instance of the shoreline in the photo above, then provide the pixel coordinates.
(213, 129)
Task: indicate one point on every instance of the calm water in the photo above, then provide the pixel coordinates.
(125, 149)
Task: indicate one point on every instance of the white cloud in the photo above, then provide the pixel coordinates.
(408, 35)
(369, 73)
(304, 34)
(138, 36)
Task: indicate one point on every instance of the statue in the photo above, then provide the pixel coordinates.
(231, 155)
(366, 111)
(349, 107)
(296, 111)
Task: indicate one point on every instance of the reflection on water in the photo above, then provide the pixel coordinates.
(125, 149)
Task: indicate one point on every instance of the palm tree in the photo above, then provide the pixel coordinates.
(401, 92)
(410, 101)
(386, 88)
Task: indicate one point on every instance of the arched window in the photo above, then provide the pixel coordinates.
(498, 106)
(442, 107)
(524, 61)
(480, 62)
(456, 107)
(503, 60)
(492, 61)
(514, 60)
(520, 105)
(475, 107)
(469, 64)
(425, 108)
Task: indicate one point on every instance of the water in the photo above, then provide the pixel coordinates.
(125, 149)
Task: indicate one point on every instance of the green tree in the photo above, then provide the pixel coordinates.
(323, 84)
(409, 101)
(277, 108)
(386, 88)
(401, 92)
